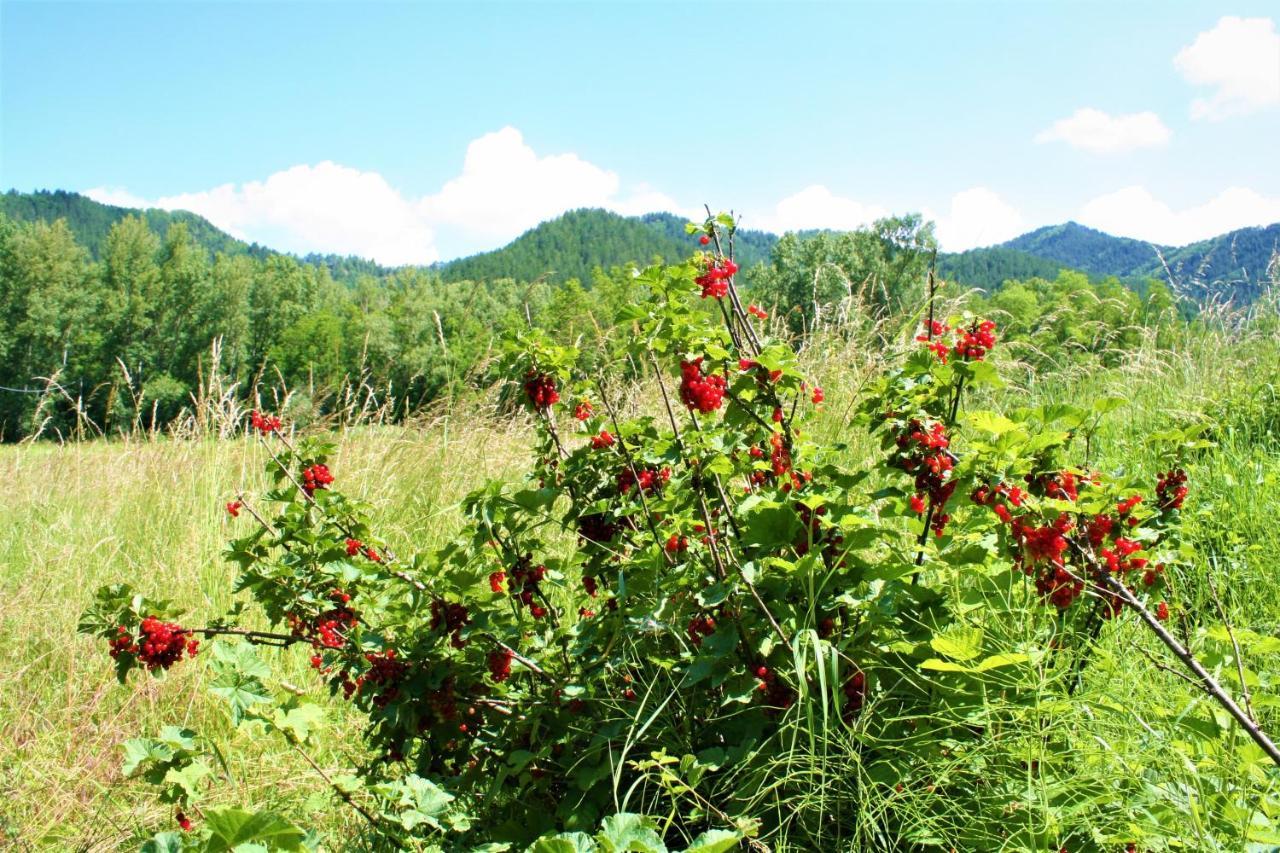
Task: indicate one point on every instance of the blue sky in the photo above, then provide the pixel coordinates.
(415, 132)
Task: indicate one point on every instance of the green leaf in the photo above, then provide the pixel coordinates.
(990, 422)
(232, 827)
(188, 778)
(164, 842)
(240, 692)
(996, 661)
(630, 832)
(958, 643)
(298, 722)
(144, 750)
(565, 842)
(714, 841)
(992, 662)
(1108, 404)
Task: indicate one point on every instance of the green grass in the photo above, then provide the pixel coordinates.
(82, 515)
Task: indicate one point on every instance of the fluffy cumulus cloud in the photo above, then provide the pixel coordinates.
(320, 208)
(1240, 59)
(504, 188)
(817, 207)
(1101, 133)
(977, 216)
(1135, 212)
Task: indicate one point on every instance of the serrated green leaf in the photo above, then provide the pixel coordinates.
(714, 841)
(631, 833)
(233, 827)
(565, 842)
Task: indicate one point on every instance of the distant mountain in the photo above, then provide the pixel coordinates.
(991, 267)
(1076, 247)
(1233, 266)
(90, 221)
(1229, 267)
(574, 244)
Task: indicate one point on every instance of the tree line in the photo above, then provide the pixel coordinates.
(125, 336)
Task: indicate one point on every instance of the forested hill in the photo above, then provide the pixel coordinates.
(573, 245)
(1088, 250)
(90, 221)
(1228, 267)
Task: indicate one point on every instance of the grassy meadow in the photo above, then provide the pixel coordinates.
(79, 515)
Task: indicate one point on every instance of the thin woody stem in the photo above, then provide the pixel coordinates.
(635, 474)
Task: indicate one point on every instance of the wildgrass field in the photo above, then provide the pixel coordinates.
(79, 515)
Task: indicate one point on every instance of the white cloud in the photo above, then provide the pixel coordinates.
(1240, 57)
(504, 189)
(322, 208)
(1100, 133)
(977, 217)
(817, 207)
(1135, 212)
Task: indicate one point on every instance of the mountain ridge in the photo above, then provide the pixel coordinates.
(1231, 265)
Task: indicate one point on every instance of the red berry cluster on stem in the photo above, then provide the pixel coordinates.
(159, 645)
(648, 479)
(1171, 490)
(922, 451)
(700, 392)
(316, 477)
(264, 423)
(540, 389)
(715, 280)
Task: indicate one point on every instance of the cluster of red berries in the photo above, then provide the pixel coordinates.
(715, 280)
(705, 393)
(975, 342)
(355, 546)
(971, 344)
(383, 678)
(999, 497)
(1061, 485)
(316, 477)
(263, 423)
(855, 694)
(452, 617)
(583, 411)
(159, 645)
(1171, 490)
(330, 628)
(526, 585)
(923, 452)
(233, 508)
(777, 695)
(540, 389)
(932, 338)
(647, 479)
(758, 312)
(603, 440)
(677, 544)
(1038, 548)
(500, 664)
(598, 528)
(699, 627)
